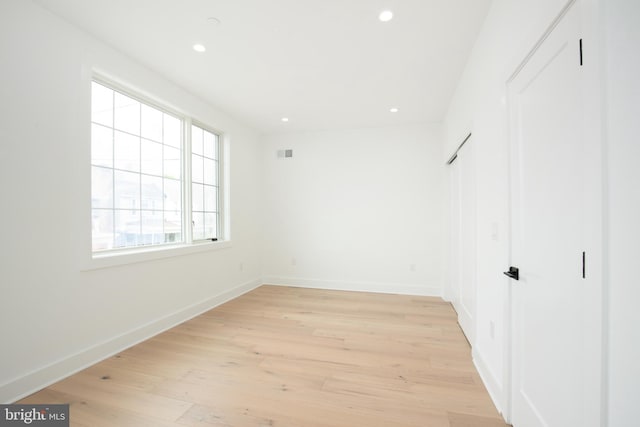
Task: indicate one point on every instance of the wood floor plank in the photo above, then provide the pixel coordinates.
(291, 357)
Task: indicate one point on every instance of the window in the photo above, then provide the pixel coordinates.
(204, 183)
(144, 169)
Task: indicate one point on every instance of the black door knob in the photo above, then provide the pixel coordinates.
(513, 273)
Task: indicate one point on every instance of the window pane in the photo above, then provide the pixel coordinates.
(151, 123)
(152, 228)
(172, 195)
(198, 226)
(210, 149)
(101, 187)
(127, 190)
(127, 228)
(196, 140)
(151, 162)
(196, 168)
(172, 131)
(172, 227)
(152, 194)
(172, 163)
(101, 229)
(101, 146)
(197, 197)
(127, 152)
(210, 199)
(210, 225)
(209, 174)
(101, 104)
(127, 114)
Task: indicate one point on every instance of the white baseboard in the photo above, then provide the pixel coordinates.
(339, 285)
(492, 385)
(30, 383)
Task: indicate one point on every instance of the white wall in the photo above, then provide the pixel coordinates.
(622, 110)
(55, 318)
(355, 209)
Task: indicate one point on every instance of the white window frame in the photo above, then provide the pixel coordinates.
(129, 255)
(220, 184)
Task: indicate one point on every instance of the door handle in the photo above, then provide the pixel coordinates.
(513, 273)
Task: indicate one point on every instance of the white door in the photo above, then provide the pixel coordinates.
(467, 267)
(454, 267)
(548, 227)
(463, 238)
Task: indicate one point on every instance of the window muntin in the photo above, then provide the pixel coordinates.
(138, 190)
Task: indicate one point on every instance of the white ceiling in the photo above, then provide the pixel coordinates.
(325, 64)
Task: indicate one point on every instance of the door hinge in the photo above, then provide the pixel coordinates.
(581, 52)
(584, 268)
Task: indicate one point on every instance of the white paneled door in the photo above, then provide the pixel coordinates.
(549, 201)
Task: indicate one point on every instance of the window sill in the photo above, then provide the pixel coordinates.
(132, 256)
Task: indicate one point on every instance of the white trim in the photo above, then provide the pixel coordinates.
(340, 285)
(36, 380)
(491, 383)
(149, 253)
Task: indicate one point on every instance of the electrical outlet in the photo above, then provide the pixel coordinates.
(294, 262)
(412, 267)
(242, 266)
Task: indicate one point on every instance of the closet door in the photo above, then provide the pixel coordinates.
(454, 238)
(463, 238)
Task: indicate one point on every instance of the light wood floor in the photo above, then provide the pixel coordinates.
(290, 357)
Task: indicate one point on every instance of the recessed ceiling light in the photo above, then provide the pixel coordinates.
(285, 119)
(385, 16)
(394, 110)
(199, 48)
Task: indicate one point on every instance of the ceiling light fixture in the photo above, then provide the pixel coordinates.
(199, 48)
(285, 119)
(394, 110)
(385, 16)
